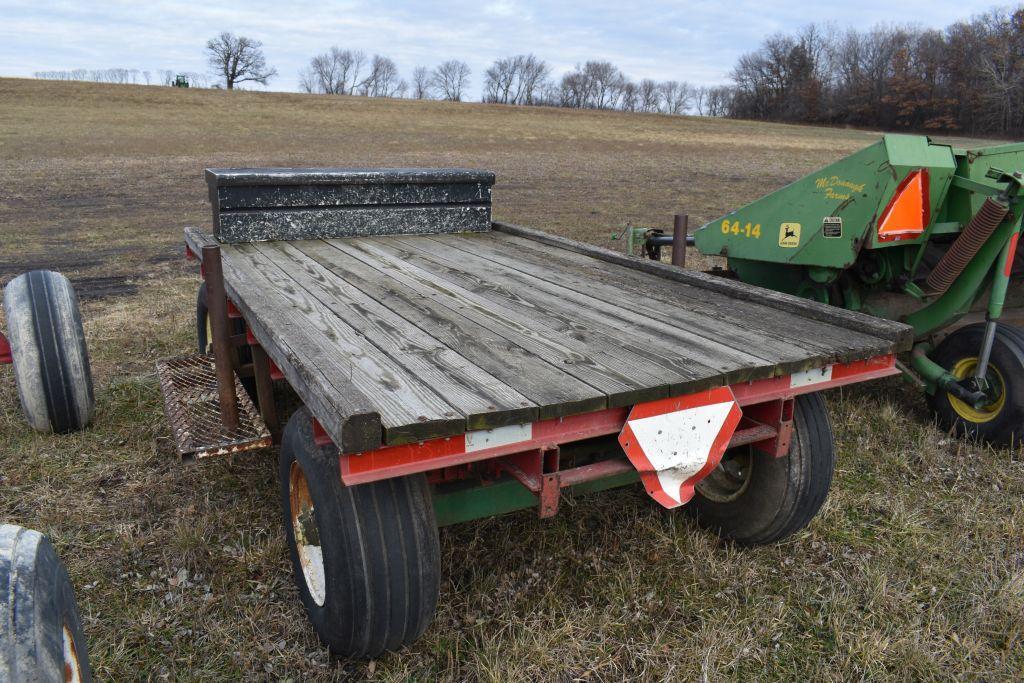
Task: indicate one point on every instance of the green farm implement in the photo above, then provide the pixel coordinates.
(909, 230)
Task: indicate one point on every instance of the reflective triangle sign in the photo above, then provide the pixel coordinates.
(675, 442)
(908, 212)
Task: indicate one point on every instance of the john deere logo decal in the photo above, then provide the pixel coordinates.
(789, 235)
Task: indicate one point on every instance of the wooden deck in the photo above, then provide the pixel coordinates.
(397, 339)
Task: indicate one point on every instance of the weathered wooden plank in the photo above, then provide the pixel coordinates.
(257, 225)
(647, 348)
(196, 239)
(687, 361)
(409, 410)
(795, 342)
(486, 401)
(345, 412)
(901, 335)
(555, 392)
(614, 374)
(276, 196)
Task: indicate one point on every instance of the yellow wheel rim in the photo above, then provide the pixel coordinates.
(965, 368)
(209, 334)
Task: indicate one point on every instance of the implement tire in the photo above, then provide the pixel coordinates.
(1001, 422)
(40, 632)
(754, 499)
(51, 363)
(366, 558)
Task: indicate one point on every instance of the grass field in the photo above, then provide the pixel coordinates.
(914, 570)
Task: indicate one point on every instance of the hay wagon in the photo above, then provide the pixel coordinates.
(446, 368)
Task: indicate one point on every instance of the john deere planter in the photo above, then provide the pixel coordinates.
(909, 230)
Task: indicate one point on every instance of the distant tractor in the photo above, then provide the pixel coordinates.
(909, 230)
(180, 81)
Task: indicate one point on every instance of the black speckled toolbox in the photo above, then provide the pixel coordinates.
(262, 204)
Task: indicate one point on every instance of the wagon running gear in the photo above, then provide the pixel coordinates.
(755, 499)
(366, 558)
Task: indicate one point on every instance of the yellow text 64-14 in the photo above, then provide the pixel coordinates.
(747, 230)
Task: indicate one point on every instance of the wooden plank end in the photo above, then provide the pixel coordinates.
(900, 335)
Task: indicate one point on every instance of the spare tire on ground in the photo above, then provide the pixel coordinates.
(51, 364)
(40, 631)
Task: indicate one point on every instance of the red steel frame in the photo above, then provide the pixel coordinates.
(530, 452)
(5, 350)
(766, 423)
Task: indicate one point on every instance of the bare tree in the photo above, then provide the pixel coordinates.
(630, 100)
(719, 101)
(606, 84)
(335, 72)
(515, 80)
(533, 79)
(595, 85)
(238, 59)
(421, 83)
(498, 80)
(450, 79)
(383, 79)
(574, 90)
(675, 96)
(307, 81)
(1000, 67)
(197, 80)
(649, 96)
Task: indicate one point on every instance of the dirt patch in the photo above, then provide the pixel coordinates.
(103, 287)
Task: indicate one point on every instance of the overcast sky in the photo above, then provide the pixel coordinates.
(696, 41)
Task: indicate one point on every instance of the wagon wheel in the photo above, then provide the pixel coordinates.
(40, 632)
(366, 558)
(51, 363)
(753, 498)
(1001, 420)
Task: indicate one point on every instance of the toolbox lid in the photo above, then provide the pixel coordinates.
(221, 177)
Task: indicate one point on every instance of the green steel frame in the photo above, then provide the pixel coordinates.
(851, 194)
(466, 501)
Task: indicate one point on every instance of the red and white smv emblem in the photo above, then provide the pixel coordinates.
(675, 442)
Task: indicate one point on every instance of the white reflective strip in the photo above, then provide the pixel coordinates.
(807, 377)
(678, 444)
(502, 436)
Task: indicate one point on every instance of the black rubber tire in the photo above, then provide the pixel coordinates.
(379, 543)
(1007, 426)
(51, 362)
(38, 605)
(783, 494)
(237, 327)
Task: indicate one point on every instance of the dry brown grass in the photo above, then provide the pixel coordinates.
(914, 569)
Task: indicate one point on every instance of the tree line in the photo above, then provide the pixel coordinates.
(967, 77)
(351, 72)
(126, 76)
(523, 79)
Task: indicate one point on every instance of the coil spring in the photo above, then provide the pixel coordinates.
(966, 245)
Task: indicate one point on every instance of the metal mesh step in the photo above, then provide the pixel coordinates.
(189, 385)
